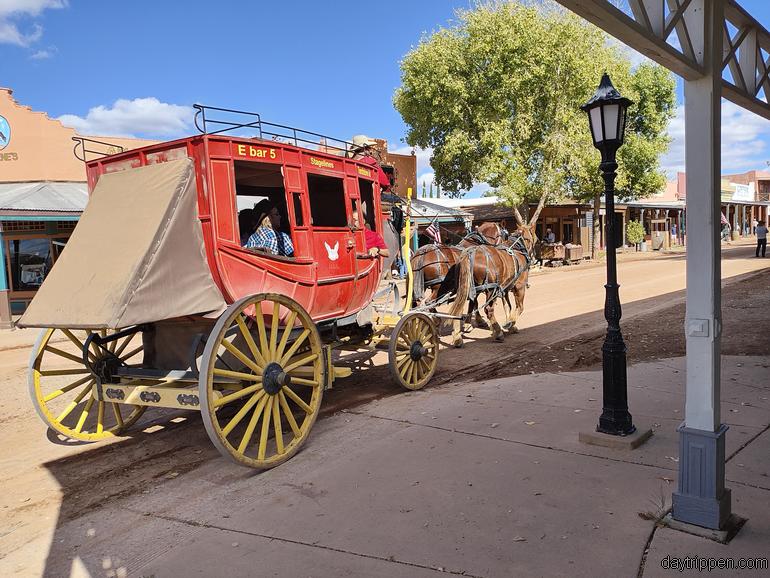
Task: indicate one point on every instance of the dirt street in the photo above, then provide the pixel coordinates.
(47, 481)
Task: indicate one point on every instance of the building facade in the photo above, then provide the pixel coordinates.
(43, 191)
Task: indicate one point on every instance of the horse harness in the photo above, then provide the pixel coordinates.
(497, 290)
(443, 261)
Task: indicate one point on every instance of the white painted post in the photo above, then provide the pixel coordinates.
(701, 497)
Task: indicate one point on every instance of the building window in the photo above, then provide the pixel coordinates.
(65, 225)
(23, 226)
(30, 261)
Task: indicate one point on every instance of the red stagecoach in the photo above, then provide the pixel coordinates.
(156, 301)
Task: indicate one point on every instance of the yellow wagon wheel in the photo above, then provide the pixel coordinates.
(413, 351)
(61, 385)
(261, 381)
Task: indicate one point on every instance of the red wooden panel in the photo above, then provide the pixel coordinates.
(293, 179)
(364, 172)
(257, 152)
(219, 148)
(291, 157)
(302, 245)
(223, 205)
(322, 163)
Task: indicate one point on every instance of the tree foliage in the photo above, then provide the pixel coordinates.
(497, 98)
(634, 232)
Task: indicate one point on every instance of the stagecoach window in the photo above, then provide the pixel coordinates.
(327, 201)
(299, 218)
(366, 189)
(354, 209)
(256, 182)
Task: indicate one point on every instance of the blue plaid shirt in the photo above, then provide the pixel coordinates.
(267, 239)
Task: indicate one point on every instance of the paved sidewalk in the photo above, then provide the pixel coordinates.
(480, 479)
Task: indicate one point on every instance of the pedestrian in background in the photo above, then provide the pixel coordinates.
(761, 237)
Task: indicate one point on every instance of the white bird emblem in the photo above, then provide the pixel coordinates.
(332, 252)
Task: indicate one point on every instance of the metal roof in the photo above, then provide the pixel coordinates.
(65, 197)
(422, 209)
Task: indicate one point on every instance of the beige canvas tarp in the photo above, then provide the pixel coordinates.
(136, 255)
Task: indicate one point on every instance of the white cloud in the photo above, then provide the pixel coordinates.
(19, 33)
(744, 141)
(42, 54)
(138, 117)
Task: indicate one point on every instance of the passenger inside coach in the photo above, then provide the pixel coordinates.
(268, 236)
(263, 222)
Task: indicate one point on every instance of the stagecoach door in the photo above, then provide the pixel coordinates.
(334, 245)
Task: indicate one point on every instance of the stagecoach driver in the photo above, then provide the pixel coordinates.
(375, 244)
(268, 236)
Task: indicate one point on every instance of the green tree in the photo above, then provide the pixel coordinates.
(497, 97)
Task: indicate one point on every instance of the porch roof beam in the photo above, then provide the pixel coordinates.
(746, 51)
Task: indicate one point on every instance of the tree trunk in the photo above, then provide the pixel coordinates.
(597, 227)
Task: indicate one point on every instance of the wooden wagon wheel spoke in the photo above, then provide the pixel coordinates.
(247, 337)
(238, 394)
(63, 354)
(122, 347)
(274, 330)
(131, 353)
(300, 340)
(412, 351)
(78, 344)
(261, 330)
(116, 413)
(236, 374)
(84, 414)
(253, 423)
(289, 415)
(68, 387)
(265, 428)
(303, 381)
(277, 426)
(281, 383)
(61, 386)
(298, 400)
(74, 403)
(281, 349)
(242, 413)
(242, 356)
(100, 418)
(301, 362)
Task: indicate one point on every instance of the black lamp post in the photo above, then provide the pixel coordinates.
(607, 117)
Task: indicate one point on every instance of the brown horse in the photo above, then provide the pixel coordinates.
(432, 264)
(494, 271)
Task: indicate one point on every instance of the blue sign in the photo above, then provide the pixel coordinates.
(5, 133)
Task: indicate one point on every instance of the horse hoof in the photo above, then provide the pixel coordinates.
(513, 329)
(508, 326)
(457, 344)
(500, 338)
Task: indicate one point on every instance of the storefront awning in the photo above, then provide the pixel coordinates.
(46, 197)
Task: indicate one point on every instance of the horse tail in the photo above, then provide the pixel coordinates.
(464, 280)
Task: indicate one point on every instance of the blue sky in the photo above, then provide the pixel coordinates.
(331, 67)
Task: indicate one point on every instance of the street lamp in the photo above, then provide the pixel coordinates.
(607, 118)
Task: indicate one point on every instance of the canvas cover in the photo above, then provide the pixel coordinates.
(136, 255)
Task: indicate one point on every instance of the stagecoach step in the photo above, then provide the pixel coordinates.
(176, 375)
(140, 392)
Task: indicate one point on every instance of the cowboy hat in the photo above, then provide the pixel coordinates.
(361, 140)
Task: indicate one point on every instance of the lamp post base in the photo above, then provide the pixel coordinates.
(615, 442)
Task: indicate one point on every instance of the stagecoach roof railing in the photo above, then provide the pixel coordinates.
(266, 130)
(82, 143)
